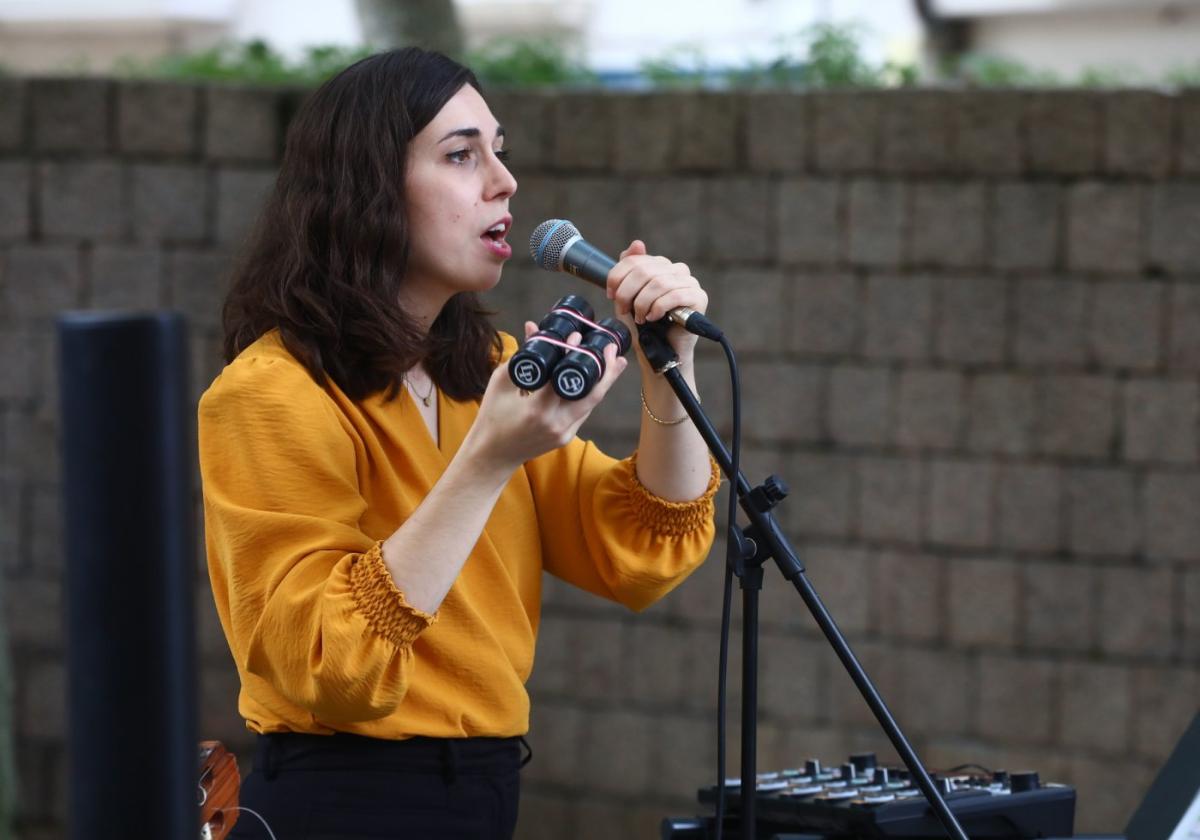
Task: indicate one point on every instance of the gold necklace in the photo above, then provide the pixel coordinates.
(427, 397)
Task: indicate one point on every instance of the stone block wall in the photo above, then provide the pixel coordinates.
(969, 331)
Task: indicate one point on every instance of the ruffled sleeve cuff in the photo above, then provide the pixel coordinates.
(672, 519)
(382, 603)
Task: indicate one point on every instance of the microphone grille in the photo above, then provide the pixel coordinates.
(547, 241)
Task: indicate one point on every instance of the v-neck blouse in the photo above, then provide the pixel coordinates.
(301, 486)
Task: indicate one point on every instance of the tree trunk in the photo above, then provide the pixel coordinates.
(431, 24)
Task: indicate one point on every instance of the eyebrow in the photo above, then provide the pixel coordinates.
(471, 132)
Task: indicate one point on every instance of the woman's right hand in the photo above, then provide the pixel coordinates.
(514, 426)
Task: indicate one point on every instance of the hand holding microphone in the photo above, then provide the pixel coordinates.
(644, 287)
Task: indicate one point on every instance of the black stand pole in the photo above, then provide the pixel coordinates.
(127, 458)
(761, 540)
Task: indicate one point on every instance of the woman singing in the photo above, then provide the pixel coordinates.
(381, 501)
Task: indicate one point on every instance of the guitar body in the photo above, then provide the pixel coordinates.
(219, 785)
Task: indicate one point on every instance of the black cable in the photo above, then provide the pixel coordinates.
(732, 546)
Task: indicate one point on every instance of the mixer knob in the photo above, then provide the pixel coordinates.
(812, 767)
(1000, 777)
(1024, 780)
(881, 776)
(943, 784)
(864, 763)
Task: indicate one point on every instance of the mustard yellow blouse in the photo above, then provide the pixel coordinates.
(302, 485)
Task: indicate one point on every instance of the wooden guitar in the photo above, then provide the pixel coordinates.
(218, 790)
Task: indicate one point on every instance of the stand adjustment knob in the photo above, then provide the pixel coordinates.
(768, 494)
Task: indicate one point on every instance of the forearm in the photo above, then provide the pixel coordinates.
(673, 461)
(427, 552)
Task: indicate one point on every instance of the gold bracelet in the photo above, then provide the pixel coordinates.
(659, 420)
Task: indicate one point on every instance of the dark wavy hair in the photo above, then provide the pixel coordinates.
(327, 257)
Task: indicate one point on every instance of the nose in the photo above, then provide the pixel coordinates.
(501, 183)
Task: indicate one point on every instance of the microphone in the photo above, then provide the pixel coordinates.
(557, 245)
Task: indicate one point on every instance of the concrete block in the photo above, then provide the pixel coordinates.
(777, 127)
(527, 118)
(218, 707)
(1064, 132)
(947, 224)
(792, 688)
(960, 503)
(786, 402)
(1174, 218)
(126, 278)
(1172, 527)
(1060, 606)
(825, 313)
(823, 488)
(891, 497)
(971, 322)
(1164, 703)
(911, 596)
(706, 132)
(606, 770)
(15, 200)
(538, 198)
(1103, 512)
(70, 115)
(987, 130)
(1136, 609)
(1096, 706)
(1187, 152)
(898, 316)
(982, 602)
(197, 282)
(46, 538)
(1137, 133)
(43, 702)
(669, 216)
(1016, 699)
(583, 129)
(241, 194)
(1191, 614)
(645, 141)
(1112, 790)
(170, 203)
(39, 281)
(877, 217)
(917, 129)
(1076, 415)
(1051, 321)
(13, 114)
(738, 219)
(1104, 231)
(808, 221)
(658, 665)
(1183, 350)
(860, 405)
(85, 200)
(751, 304)
(1125, 329)
(33, 614)
(1025, 225)
(599, 207)
(545, 816)
(242, 123)
(1161, 418)
(681, 750)
(1001, 414)
(596, 649)
(930, 409)
(1029, 514)
(945, 712)
(158, 118)
(847, 130)
(843, 577)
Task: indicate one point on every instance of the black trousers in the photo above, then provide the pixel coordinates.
(337, 787)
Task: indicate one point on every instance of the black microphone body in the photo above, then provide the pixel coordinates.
(557, 245)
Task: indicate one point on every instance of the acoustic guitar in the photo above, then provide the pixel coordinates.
(218, 790)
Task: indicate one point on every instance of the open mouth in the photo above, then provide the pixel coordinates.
(497, 232)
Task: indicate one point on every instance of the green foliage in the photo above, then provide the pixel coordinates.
(987, 70)
(1184, 75)
(252, 61)
(821, 56)
(518, 62)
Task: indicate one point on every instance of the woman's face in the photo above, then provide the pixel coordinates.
(457, 191)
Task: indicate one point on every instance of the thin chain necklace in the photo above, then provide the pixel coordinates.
(426, 398)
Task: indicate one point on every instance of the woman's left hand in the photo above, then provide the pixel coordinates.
(645, 288)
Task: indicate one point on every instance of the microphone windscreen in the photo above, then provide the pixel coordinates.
(548, 240)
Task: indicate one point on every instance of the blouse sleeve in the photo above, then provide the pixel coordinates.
(604, 532)
(304, 596)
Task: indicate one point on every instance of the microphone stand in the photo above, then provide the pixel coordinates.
(758, 542)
